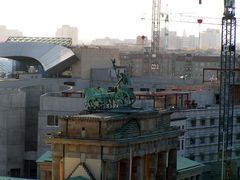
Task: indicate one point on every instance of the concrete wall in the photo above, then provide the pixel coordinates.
(57, 104)
(93, 58)
(170, 65)
(203, 98)
(19, 106)
(12, 117)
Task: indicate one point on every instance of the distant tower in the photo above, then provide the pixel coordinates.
(166, 29)
(156, 4)
(166, 33)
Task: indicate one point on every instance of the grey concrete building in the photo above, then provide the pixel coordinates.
(200, 141)
(171, 66)
(12, 123)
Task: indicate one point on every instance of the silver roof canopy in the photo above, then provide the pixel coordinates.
(49, 55)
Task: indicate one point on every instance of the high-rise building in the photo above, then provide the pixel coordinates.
(68, 32)
(210, 39)
(6, 33)
(174, 41)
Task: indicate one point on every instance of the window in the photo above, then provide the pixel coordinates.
(183, 127)
(211, 138)
(220, 137)
(238, 119)
(202, 140)
(238, 172)
(30, 169)
(159, 90)
(15, 172)
(238, 136)
(182, 144)
(192, 157)
(144, 89)
(211, 157)
(193, 123)
(192, 141)
(212, 121)
(237, 152)
(52, 120)
(202, 122)
(69, 83)
(202, 156)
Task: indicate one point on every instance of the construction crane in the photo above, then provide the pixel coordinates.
(226, 106)
(155, 39)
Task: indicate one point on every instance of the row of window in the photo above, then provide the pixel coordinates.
(147, 89)
(203, 122)
(202, 156)
(202, 140)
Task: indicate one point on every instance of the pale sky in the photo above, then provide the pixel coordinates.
(103, 18)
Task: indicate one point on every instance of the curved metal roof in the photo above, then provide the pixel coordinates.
(49, 55)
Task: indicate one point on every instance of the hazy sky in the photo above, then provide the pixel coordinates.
(100, 18)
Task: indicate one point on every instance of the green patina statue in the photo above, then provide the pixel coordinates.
(103, 99)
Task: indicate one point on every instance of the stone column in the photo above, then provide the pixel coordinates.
(146, 166)
(172, 165)
(118, 170)
(104, 169)
(161, 166)
(123, 169)
(142, 167)
(136, 168)
(56, 165)
(111, 170)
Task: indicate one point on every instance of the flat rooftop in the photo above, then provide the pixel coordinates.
(115, 114)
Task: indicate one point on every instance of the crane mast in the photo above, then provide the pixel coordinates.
(155, 27)
(227, 76)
